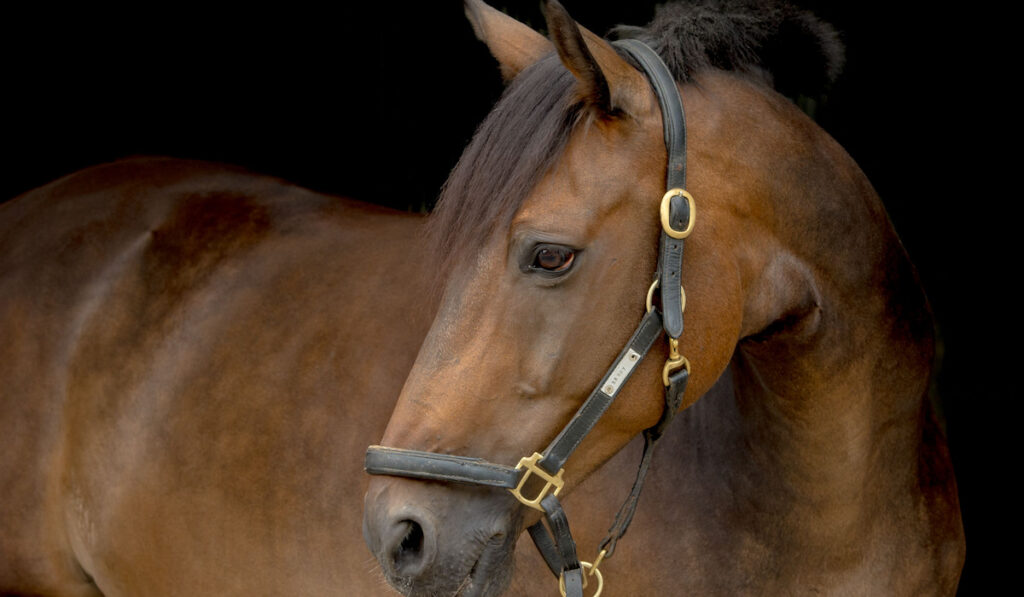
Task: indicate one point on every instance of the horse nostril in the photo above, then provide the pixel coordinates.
(410, 555)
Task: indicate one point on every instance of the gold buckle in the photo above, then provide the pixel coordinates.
(530, 464)
(666, 225)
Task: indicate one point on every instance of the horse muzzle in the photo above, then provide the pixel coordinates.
(435, 539)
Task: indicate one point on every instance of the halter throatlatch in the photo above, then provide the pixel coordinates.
(677, 214)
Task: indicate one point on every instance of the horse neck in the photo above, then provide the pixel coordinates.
(849, 363)
(828, 388)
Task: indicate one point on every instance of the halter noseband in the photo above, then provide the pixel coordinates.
(557, 546)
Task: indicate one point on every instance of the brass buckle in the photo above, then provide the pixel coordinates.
(530, 464)
(666, 225)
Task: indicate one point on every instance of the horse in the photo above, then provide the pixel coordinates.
(174, 417)
(805, 458)
(195, 357)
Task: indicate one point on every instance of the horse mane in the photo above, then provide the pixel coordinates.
(526, 132)
(788, 48)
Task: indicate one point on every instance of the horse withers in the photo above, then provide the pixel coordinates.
(813, 464)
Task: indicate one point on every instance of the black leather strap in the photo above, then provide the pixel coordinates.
(672, 115)
(545, 544)
(381, 460)
(671, 278)
(568, 563)
(573, 579)
(670, 259)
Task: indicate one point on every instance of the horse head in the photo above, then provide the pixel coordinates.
(552, 232)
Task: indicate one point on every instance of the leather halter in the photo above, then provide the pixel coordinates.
(557, 546)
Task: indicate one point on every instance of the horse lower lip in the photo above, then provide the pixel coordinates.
(476, 582)
(479, 576)
(472, 586)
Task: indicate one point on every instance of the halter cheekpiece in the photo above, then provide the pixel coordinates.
(677, 215)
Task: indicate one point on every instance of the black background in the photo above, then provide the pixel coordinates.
(376, 102)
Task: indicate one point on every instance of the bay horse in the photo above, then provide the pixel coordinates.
(195, 358)
(811, 465)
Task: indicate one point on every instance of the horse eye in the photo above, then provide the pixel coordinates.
(553, 258)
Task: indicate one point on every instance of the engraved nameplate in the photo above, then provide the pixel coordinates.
(621, 371)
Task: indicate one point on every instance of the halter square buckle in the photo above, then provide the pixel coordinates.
(550, 481)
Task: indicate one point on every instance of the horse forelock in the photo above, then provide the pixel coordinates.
(528, 129)
(519, 141)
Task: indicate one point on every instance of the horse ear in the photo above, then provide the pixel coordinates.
(513, 44)
(606, 81)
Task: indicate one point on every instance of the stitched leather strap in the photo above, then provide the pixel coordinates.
(559, 549)
(430, 466)
(670, 258)
(670, 274)
(672, 115)
(545, 545)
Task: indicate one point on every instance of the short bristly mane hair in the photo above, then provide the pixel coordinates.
(527, 131)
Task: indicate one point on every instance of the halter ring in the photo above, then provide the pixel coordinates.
(654, 286)
(593, 572)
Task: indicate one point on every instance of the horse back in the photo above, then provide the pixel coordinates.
(182, 345)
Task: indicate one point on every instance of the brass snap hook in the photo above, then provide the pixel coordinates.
(675, 361)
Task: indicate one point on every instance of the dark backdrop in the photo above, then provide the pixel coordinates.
(376, 102)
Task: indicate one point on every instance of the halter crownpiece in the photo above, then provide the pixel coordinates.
(677, 214)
